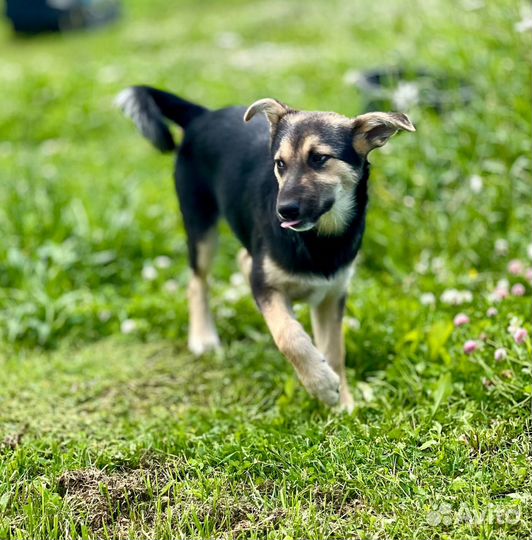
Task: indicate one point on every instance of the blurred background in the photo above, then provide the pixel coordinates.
(91, 237)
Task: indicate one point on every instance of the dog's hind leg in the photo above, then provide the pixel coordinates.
(200, 217)
(329, 338)
(202, 334)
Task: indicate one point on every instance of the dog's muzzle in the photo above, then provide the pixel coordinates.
(291, 216)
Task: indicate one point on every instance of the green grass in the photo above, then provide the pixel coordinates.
(110, 435)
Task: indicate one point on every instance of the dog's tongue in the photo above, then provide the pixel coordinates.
(288, 224)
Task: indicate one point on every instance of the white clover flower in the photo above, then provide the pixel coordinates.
(171, 286)
(405, 95)
(162, 262)
(228, 40)
(104, 315)
(423, 264)
(476, 183)
(422, 267)
(466, 297)
(500, 354)
(232, 295)
(501, 247)
(427, 299)
(514, 325)
(497, 295)
(352, 323)
(353, 77)
(454, 297)
(128, 326)
(51, 147)
(450, 296)
(492, 312)
(237, 280)
(225, 312)
(503, 284)
(524, 25)
(149, 273)
(437, 264)
(409, 201)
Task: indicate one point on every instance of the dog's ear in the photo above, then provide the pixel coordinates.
(375, 128)
(273, 109)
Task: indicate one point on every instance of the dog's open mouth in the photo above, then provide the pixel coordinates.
(298, 225)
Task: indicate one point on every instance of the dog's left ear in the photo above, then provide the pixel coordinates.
(273, 109)
(373, 129)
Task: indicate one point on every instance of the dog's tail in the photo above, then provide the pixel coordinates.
(148, 108)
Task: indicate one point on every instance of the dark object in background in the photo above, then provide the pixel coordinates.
(397, 88)
(36, 16)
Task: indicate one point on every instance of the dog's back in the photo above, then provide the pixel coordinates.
(221, 159)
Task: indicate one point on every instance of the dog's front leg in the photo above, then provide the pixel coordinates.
(329, 338)
(292, 340)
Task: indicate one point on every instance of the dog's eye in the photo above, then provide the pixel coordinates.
(317, 160)
(280, 164)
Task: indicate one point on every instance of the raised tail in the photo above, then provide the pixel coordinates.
(148, 108)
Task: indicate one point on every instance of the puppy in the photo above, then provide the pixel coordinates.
(293, 187)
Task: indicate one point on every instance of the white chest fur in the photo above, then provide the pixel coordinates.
(306, 287)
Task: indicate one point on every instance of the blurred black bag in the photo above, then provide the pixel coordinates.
(35, 16)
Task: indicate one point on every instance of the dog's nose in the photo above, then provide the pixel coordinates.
(289, 211)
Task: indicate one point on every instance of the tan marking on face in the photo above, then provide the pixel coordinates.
(342, 172)
(335, 221)
(309, 142)
(343, 178)
(313, 144)
(336, 172)
(286, 153)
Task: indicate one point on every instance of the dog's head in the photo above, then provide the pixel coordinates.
(318, 158)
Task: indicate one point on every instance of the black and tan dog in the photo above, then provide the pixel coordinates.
(293, 187)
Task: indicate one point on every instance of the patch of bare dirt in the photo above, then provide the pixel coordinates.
(102, 498)
(338, 500)
(110, 500)
(234, 516)
(262, 521)
(13, 440)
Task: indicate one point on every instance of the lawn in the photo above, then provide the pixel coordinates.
(109, 428)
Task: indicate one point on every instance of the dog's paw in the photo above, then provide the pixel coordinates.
(200, 344)
(323, 383)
